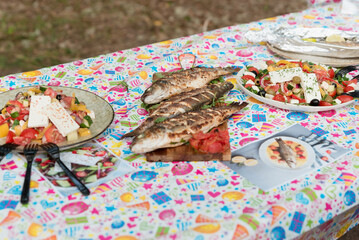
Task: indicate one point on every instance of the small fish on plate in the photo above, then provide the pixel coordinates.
(181, 103)
(182, 81)
(287, 153)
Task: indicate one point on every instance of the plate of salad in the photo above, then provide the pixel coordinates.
(297, 85)
(65, 116)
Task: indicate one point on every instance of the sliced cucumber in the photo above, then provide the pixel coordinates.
(52, 172)
(63, 183)
(90, 179)
(87, 122)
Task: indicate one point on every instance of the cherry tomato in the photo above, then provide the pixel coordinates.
(269, 62)
(324, 103)
(81, 174)
(53, 135)
(248, 77)
(248, 85)
(29, 133)
(345, 98)
(301, 100)
(279, 97)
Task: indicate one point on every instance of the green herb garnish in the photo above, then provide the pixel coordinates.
(42, 89)
(14, 114)
(15, 123)
(76, 101)
(160, 119)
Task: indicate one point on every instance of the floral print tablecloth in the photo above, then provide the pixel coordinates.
(189, 200)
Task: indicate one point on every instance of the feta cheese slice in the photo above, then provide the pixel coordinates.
(285, 75)
(311, 87)
(61, 118)
(37, 118)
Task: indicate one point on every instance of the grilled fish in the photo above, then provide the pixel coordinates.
(184, 102)
(182, 81)
(179, 129)
(287, 153)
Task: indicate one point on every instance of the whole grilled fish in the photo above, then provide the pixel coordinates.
(184, 102)
(182, 81)
(179, 129)
(287, 153)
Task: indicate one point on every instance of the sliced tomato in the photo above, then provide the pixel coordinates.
(29, 133)
(324, 103)
(50, 92)
(331, 73)
(348, 89)
(346, 83)
(53, 135)
(269, 62)
(253, 69)
(24, 111)
(10, 137)
(332, 93)
(67, 101)
(100, 153)
(248, 77)
(279, 97)
(16, 103)
(213, 142)
(248, 85)
(21, 140)
(264, 82)
(345, 98)
(301, 100)
(320, 74)
(274, 88)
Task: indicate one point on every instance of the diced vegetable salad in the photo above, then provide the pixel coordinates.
(299, 82)
(14, 118)
(86, 174)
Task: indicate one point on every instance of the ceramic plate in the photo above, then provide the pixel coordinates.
(283, 105)
(104, 113)
(310, 155)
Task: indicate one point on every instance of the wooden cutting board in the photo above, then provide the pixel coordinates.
(187, 153)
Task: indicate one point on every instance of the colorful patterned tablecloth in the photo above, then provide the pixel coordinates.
(189, 200)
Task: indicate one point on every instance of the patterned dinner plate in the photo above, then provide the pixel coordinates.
(104, 113)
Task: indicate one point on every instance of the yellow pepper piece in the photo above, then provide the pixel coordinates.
(285, 62)
(309, 39)
(3, 111)
(307, 67)
(322, 92)
(84, 132)
(4, 130)
(35, 90)
(18, 130)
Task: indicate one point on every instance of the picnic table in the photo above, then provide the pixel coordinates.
(188, 200)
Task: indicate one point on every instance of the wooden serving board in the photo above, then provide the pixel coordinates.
(187, 153)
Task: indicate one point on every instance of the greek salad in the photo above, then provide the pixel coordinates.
(43, 115)
(298, 82)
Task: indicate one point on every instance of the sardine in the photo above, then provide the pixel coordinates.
(287, 153)
(182, 81)
(184, 102)
(179, 129)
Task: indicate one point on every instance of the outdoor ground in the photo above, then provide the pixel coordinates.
(36, 34)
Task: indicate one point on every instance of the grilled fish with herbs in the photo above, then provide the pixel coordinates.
(182, 103)
(287, 153)
(182, 81)
(179, 129)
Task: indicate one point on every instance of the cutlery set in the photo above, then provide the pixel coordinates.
(30, 151)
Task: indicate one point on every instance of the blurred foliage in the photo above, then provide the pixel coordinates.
(35, 34)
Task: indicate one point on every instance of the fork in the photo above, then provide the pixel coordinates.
(30, 151)
(5, 149)
(54, 152)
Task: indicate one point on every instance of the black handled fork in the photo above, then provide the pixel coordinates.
(30, 151)
(54, 152)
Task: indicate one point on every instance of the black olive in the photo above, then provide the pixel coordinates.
(334, 84)
(262, 93)
(314, 102)
(255, 73)
(58, 97)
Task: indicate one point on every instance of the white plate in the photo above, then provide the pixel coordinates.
(283, 105)
(104, 113)
(264, 156)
